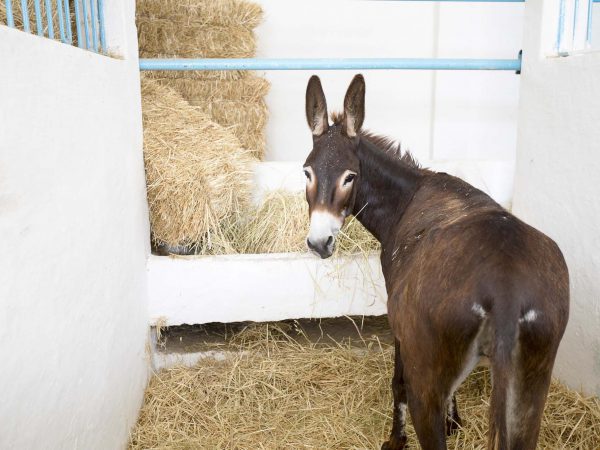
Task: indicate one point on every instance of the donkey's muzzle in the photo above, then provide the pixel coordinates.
(322, 247)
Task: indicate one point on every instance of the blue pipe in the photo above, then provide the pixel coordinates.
(61, 20)
(94, 20)
(330, 64)
(78, 24)
(49, 19)
(68, 21)
(589, 23)
(102, 30)
(25, 14)
(10, 20)
(38, 17)
(86, 23)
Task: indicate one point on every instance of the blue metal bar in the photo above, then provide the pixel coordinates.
(589, 23)
(576, 7)
(25, 14)
(102, 30)
(561, 25)
(78, 24)
(330, 64)
(94, 24)
(49, 19)
(38, 17)
(68, 21)
(61, 20)
(10, 20)
(86, 23)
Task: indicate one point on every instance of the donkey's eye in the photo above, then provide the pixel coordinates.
(349, 179)
(307, 174)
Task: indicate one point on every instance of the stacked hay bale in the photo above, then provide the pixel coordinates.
(198, 174)
(209, 29)
(203, 131)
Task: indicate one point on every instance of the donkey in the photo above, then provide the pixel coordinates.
(465, 279)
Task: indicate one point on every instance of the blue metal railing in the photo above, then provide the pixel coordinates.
(86, 16)
(330, 64)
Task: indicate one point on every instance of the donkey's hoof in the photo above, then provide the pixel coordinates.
(395, 444)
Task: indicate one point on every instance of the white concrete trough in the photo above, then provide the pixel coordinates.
(232, 288)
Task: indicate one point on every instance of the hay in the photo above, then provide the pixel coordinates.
(202, 12)
(197, 173)
(245, 89)
(280, 224)
(197, 28)
(279, 392)
(209, 29)
(236, 104)
(165, 38)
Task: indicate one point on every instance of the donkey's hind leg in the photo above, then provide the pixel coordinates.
(397, 439)
(528, 389)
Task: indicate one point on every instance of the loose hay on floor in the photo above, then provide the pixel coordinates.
(279, 392)
(198, 174)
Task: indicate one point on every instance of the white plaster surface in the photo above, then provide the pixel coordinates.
(437, 115)
(74, 232)
(556, 183)
(233, 288)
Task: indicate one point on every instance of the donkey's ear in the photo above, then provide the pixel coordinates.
(354, 107)
(316, 107)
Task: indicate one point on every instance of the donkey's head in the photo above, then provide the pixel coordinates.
(332, 167)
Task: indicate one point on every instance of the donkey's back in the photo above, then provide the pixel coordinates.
(466, 279)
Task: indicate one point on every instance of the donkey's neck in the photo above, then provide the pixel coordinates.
(385, 188)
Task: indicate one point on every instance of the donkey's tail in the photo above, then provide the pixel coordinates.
(505, 324)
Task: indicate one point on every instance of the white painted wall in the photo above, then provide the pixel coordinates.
(556, 181)
(438, 116)
(74, 232)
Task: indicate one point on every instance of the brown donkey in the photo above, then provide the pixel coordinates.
(465, 278)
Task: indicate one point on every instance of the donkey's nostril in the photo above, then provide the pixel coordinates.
(329, 241)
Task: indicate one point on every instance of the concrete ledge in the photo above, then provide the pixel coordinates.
(234, 288)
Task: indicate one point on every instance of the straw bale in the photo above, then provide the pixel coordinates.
(198, 174)
(279, 391)
(250, 88)
(165, 38)
(246, 120)
(203, 12)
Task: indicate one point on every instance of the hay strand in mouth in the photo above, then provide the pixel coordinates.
(280, 224)
(278, 392)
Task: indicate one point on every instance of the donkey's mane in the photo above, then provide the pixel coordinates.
(387, 145)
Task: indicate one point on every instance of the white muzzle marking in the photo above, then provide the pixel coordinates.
(322, 225)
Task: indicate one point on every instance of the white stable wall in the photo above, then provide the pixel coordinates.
(74, 232)
(556, 181)
(437, 115)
